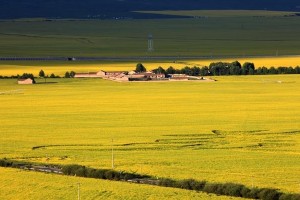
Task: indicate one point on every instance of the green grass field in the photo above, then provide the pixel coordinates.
(160, 129)
(223, 13)
(213, 36)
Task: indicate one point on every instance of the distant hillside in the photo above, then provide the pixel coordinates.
(10, 9)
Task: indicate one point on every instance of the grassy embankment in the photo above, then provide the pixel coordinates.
(162, 129)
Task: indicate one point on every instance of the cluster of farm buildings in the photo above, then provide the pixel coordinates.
(134, 76)
(124, 76)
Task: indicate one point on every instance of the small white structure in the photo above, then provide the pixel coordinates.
(27, 81)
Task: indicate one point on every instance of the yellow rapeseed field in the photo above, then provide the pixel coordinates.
(17, 184)
(241, 129)
(59, 68)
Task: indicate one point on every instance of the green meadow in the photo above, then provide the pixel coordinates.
(220, 34)
(241, 129)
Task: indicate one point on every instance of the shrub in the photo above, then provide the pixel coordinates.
(99, 174)
(289, 197)
(185, 184)
(192, 184)
(253, 194)
(213, 188)
(269, 194)
(71, 169)
(167, 182)
(233, 189)
(199, 185)
(127, 176)
(245, 192)
(5, 163)
(111, 175)
(81, 171)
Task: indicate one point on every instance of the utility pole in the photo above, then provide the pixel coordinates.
(150, 43)
(112, 154)
(78, 191)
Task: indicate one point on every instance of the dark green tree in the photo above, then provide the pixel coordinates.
(159, 70)
(67, 75)
(52, 76)
(219, 68)
(204, 71)
(171, 70)
(235, 68)
(140, 68)
(297, 70)
(272, 70)
(247, 68)
(42, 74)
(72, 74)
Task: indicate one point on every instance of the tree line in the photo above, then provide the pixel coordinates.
(214, 69)
(42, 74)
(227, 69)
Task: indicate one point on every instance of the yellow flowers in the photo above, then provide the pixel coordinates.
(162, 129)
(60, 68)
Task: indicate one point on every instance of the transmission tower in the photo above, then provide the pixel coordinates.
(150, 43)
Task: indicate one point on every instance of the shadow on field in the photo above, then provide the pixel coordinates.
(42, 83)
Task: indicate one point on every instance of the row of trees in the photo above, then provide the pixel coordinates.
(225, 69)
(70, 74)
(42, 74)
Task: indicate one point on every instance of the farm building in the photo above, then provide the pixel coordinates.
(100, 74)
(88, 75)
(111, 73)
(26, 81)
(178, 77)
(152, 75)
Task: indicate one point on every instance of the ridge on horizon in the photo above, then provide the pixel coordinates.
(105, 9)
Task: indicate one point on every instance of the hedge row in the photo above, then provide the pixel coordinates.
(228, 189)
(83, 171)
(14, 164)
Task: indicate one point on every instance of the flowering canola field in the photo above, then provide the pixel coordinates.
(241, 129)
(59, 68)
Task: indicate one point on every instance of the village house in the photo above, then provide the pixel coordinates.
(111, 73)
(26, 81)
(151, 75)
(100, 74)
(87, 75)
(133, 76)
(178, 77)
